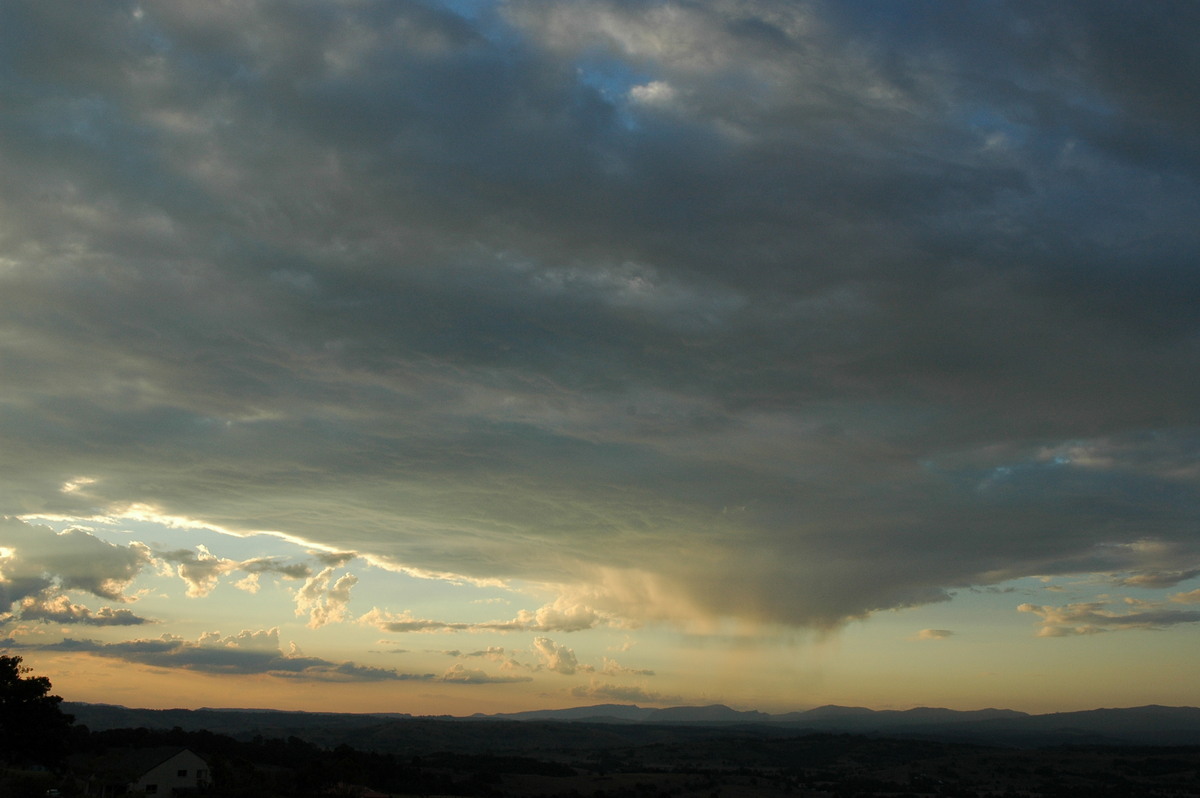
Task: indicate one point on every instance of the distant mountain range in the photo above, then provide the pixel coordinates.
(829, 716)
(617, 723)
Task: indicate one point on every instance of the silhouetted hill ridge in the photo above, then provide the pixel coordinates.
(1147, 725)
(619, 713)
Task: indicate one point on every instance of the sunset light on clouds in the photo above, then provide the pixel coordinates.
(444, 357)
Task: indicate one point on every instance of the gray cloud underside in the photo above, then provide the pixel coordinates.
(836, 306)
(62, 611)
(172, 652)
(226, 658)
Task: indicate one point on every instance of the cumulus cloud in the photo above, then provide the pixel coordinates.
(1086, 618)
(934, 634)
(556, 657)
(38, 566)
(856, 309)
(325, 599)
(248, 583)
(201, 570)
(561, 616)
(36, 558)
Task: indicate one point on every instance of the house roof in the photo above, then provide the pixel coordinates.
(137, 761)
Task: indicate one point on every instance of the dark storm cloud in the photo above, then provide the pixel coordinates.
(839, 306)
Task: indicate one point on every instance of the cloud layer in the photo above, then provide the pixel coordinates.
(253, 652)
(775, 311)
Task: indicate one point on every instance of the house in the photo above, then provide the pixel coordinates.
(180, 771)
(163, 772)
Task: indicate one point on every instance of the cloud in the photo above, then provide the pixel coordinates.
(491, 652)
(613, 668)
(405, 622)
(36, 558)
(274, 565)
(560, 616)
(248, 652)
(556, 657)
(1158, 579)
(334, 559)
(59, 609)
(199, 569)
(248, 583)
(1087, 618)
(855, 310)
(1190, 597)
(38, 566)
(617, 692)
(202, 570)
(934, 634)
(460, 674)
(324, 599)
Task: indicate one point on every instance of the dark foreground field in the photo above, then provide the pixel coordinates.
(427, 757)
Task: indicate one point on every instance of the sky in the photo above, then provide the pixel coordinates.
(465, 356)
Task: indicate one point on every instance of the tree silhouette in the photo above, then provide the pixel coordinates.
(33, 728)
